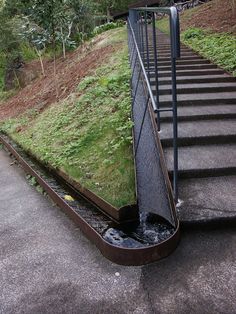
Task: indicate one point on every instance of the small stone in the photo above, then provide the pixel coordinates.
(117, 274)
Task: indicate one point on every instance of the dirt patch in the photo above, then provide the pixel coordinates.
(44, 91)
(216, 15)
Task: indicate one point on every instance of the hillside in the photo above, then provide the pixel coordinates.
(216, 16)
(210, 30)
(79, 122)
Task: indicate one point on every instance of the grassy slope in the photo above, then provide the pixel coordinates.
(217, 47)
(89, 134)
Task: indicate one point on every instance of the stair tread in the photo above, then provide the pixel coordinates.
(207, 198)
(203, 157)
(199, 128)
(180, 73)
(206, 97)
(190, 66)
(199, 85)
(188, 79)
(179, 62)
(191, 111)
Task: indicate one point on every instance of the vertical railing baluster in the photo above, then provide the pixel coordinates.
(142, 37)
(156, 70)
(147, 45)
(174, 107)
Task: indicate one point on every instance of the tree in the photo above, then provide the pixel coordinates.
(36, 37)
(9, 46)
(166, 3)
(106, 6)
(234, 7)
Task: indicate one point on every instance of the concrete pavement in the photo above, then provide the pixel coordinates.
(48, 266)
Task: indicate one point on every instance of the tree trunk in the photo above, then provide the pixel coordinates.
(63, 44)
(17, 80)
(108, 15)
(64, 49)
(41, 61)
(234, 7)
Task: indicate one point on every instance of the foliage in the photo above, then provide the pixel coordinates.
(220, 48)
(107, 6)
(9, 46)
(163, 25)
(105, 27)
(89, 134)
(51, 21)
(193, 33)
(166, 3)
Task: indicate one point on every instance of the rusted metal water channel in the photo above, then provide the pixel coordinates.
(146, 240)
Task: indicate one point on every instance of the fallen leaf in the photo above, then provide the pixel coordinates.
(68, 198)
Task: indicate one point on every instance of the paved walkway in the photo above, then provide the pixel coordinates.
(47, 266)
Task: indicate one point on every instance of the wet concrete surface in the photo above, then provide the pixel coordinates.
(48, 266)
(199, 277)
(208, 199)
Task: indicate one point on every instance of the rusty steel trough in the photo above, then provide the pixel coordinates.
(133, 251)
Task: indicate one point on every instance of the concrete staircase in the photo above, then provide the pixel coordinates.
(207, 133)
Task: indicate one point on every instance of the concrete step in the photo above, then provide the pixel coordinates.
(167, 49)
(192, 72)
(196, 88)
(167, 54)
(178, 62)
(204, 160)
(188, 79)
(207, 198)
(200, 132)
(195, 113)
(199, 99)
(191, 67)
(183, 58)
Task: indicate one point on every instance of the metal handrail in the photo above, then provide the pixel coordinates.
(143, 70)
(138, 24)
(174, 26)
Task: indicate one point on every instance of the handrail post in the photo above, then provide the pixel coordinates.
(147, 45)
(175, 52)
(156, 69)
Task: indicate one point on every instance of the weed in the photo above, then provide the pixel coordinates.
(193, 33)
(105, 27)
(32, 180)
(163, 25)
(219, 48)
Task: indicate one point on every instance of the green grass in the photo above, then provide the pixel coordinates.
(163, 25)
(219, 48)
(89, 134)
(27, 52)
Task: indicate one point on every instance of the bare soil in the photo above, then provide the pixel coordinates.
(43, 91)
(216, 15)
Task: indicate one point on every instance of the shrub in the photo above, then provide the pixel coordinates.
(193, 33)
(105, 27)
